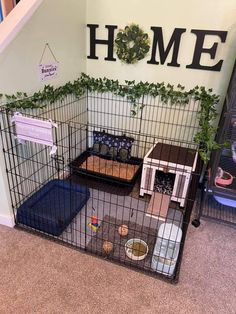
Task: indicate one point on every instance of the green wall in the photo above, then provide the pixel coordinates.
(62, 25)
(168, 14)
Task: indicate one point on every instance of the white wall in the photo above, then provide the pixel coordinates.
(62, 25)
(168, 14)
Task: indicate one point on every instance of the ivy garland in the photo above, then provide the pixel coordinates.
(132, 44)
(205, 138)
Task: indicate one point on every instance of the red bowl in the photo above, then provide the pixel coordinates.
(227, 180)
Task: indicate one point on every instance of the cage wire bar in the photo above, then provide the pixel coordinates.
(117, 175)
(218, 195)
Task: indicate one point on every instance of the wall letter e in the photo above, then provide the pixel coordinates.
(199, 49)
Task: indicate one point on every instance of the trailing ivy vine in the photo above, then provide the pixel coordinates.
(134, 92)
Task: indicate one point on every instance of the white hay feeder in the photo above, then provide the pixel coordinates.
(166, 249)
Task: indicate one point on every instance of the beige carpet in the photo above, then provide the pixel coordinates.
(39, 276)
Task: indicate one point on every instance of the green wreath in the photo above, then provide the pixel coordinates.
(132, 44)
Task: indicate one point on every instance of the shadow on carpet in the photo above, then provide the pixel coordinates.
(108, 231)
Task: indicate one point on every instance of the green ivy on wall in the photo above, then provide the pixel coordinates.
(133, 91)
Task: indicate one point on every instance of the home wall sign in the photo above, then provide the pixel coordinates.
(49, 70)
(173, 46)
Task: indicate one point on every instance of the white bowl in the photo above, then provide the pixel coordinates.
(128, 249)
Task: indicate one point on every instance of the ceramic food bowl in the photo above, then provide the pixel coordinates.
(136, 249)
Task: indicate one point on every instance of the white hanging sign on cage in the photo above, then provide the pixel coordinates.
(48, 71)
(34, 130)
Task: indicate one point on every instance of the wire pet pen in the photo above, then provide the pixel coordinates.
(218, 201)
(119, 186)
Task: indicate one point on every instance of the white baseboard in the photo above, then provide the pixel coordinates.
(7, 220)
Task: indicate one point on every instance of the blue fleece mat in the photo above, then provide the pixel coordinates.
(52, 208)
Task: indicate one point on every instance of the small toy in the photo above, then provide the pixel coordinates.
(123, 230)
(107, 247)
(94, 222)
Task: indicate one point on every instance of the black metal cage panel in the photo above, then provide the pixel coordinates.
(219, 197)
(120, 185)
